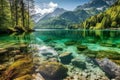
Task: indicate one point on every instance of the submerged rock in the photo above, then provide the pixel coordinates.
(108, 45)
(79, 63)
(47, 51)
(82, 47)
(3, 67)
(25, 77)
(24, 48)
(53, 71)
(66, 57)
(14, 47)
(69, 43)
(17, 57)
(110, 68)
(19, 68)
(58, 48)
(2, 51)
(37, 76)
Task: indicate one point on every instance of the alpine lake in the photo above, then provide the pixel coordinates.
(57, 54)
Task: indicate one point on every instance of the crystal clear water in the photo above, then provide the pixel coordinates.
(50, 44)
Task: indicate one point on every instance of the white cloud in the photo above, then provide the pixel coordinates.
(46, 8)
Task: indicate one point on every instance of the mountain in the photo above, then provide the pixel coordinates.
(108, 19)
(39, 17)
(56, 13)
(98, 4)
(80, 14)
(46, 20)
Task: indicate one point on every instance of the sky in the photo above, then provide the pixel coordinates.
(48, 6)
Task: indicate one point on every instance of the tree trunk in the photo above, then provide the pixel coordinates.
(28, 16)
(23, 16)
(16, 10)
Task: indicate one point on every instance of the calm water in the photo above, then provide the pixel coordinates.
(95, 40)
(48, 43)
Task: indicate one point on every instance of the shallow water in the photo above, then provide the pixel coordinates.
(49, 44)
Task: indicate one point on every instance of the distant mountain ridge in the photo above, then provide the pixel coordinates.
(57, 12)
(80, 14)
(97, 4)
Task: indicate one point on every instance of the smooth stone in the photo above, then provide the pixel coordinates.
(53, 71)
(82, 47)
(58, 49)
(108, 45)
(79, 63)
(69, 43)
(25, 77)
(37, 76)
(3, 67)
(53, 60)
(66, 57)
(19, 68)
(23, 48)
(2, 51)
(47, 51)
(17, 57)
(14, 52)
(14, 47)
(110, 68)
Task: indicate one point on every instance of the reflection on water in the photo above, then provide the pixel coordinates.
(80, 54)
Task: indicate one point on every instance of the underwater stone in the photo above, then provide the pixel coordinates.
(23, 48)
(82, 47)
(66, 57)
(53, 71)
(14, 52)
(79, 63)
(47, 51)
(110, 68)
(19, 68)
(58, 49)
(17, 57)
(108, 45)
(69, 43)
(37, 76)
(14, 47)
(3, 67)
(25, 77)
(2, 51)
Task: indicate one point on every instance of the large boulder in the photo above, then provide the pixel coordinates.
(66, 57)
(110, 68)
(53, 71)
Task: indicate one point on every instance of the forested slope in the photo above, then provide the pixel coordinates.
(15, 15)
(108, 19)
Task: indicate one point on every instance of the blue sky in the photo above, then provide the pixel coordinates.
(66, 4)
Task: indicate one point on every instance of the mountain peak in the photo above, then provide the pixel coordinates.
(97, 4)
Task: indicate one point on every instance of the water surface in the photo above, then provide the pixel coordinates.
(49, 44)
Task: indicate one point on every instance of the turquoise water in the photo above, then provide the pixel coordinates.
(95, 40)
(83, 44)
